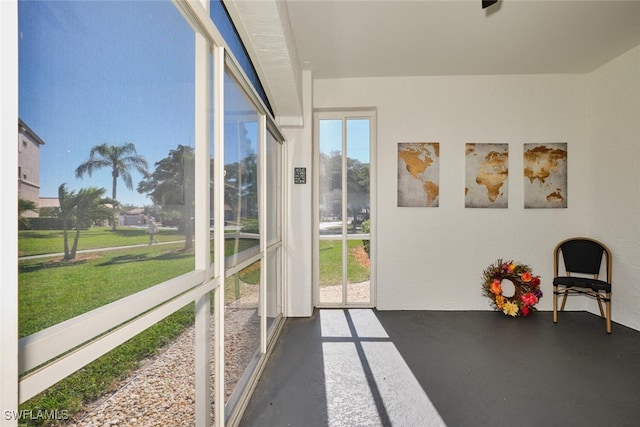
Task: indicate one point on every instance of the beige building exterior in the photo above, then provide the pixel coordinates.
(28, 165)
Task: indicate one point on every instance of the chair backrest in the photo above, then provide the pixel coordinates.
(583, 255)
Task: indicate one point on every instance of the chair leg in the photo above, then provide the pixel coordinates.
(608, 306)
(599, 298)
(555, 304)
(564, 299)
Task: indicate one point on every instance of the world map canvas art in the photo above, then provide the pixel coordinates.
(486, 175)
(418, 174)
(545, 175)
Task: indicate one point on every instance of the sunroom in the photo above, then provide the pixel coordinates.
(299, 157)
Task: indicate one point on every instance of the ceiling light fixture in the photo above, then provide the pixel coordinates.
(487, 3)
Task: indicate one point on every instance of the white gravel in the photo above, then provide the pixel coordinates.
(162, 391)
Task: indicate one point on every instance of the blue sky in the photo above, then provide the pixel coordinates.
(357, 137)
(93, 72)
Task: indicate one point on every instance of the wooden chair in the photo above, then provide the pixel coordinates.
(582, 261)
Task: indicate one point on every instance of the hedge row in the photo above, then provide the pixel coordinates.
(40, 224)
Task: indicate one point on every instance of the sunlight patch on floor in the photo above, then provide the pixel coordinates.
(349, 399)
(367, 381)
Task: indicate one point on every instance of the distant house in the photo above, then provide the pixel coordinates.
(133, 217)
(49, 202)
(28, 165)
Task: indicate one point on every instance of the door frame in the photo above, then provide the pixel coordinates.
(344, 115)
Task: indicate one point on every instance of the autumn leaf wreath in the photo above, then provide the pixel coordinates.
(526, 294)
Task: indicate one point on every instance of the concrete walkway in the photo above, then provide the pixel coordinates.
(86, 251)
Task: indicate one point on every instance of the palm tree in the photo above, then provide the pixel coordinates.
(26, 205)
(90, 208)
(120, 158)
(67, 200)
(80, 210)
(23, 206)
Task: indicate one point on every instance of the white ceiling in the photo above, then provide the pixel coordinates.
(372, 38)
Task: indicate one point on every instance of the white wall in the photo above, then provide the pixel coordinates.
(613, 118)
(433, 258)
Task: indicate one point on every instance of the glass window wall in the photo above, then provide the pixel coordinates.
(241, 137)
(108, 104)
(116, 166)
(242, 233)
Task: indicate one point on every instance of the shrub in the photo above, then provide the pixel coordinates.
(41, 224)
(366, 228)
(249, 225)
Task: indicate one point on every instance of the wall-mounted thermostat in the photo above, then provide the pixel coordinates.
(300, 175)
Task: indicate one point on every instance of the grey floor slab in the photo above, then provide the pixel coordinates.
(430, 368)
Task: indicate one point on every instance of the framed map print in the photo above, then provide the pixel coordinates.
(545, 175)
(486, 175)
(418, 174)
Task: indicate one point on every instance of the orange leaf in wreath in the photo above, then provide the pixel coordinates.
(496, 287)
(526, 276)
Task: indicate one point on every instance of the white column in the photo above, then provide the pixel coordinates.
(9, 194)
(218, 180)
(299, 237)
(263, 213)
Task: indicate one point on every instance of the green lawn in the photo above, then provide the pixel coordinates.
(52, 290)
(38, 242)
(330, 262)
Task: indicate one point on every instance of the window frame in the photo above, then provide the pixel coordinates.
(127, 317)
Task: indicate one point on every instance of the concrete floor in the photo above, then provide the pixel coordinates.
(431, 368)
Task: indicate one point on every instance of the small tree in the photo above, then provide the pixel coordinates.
(23, 206)
(67, 200)
(172, 185)
(80, 211)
